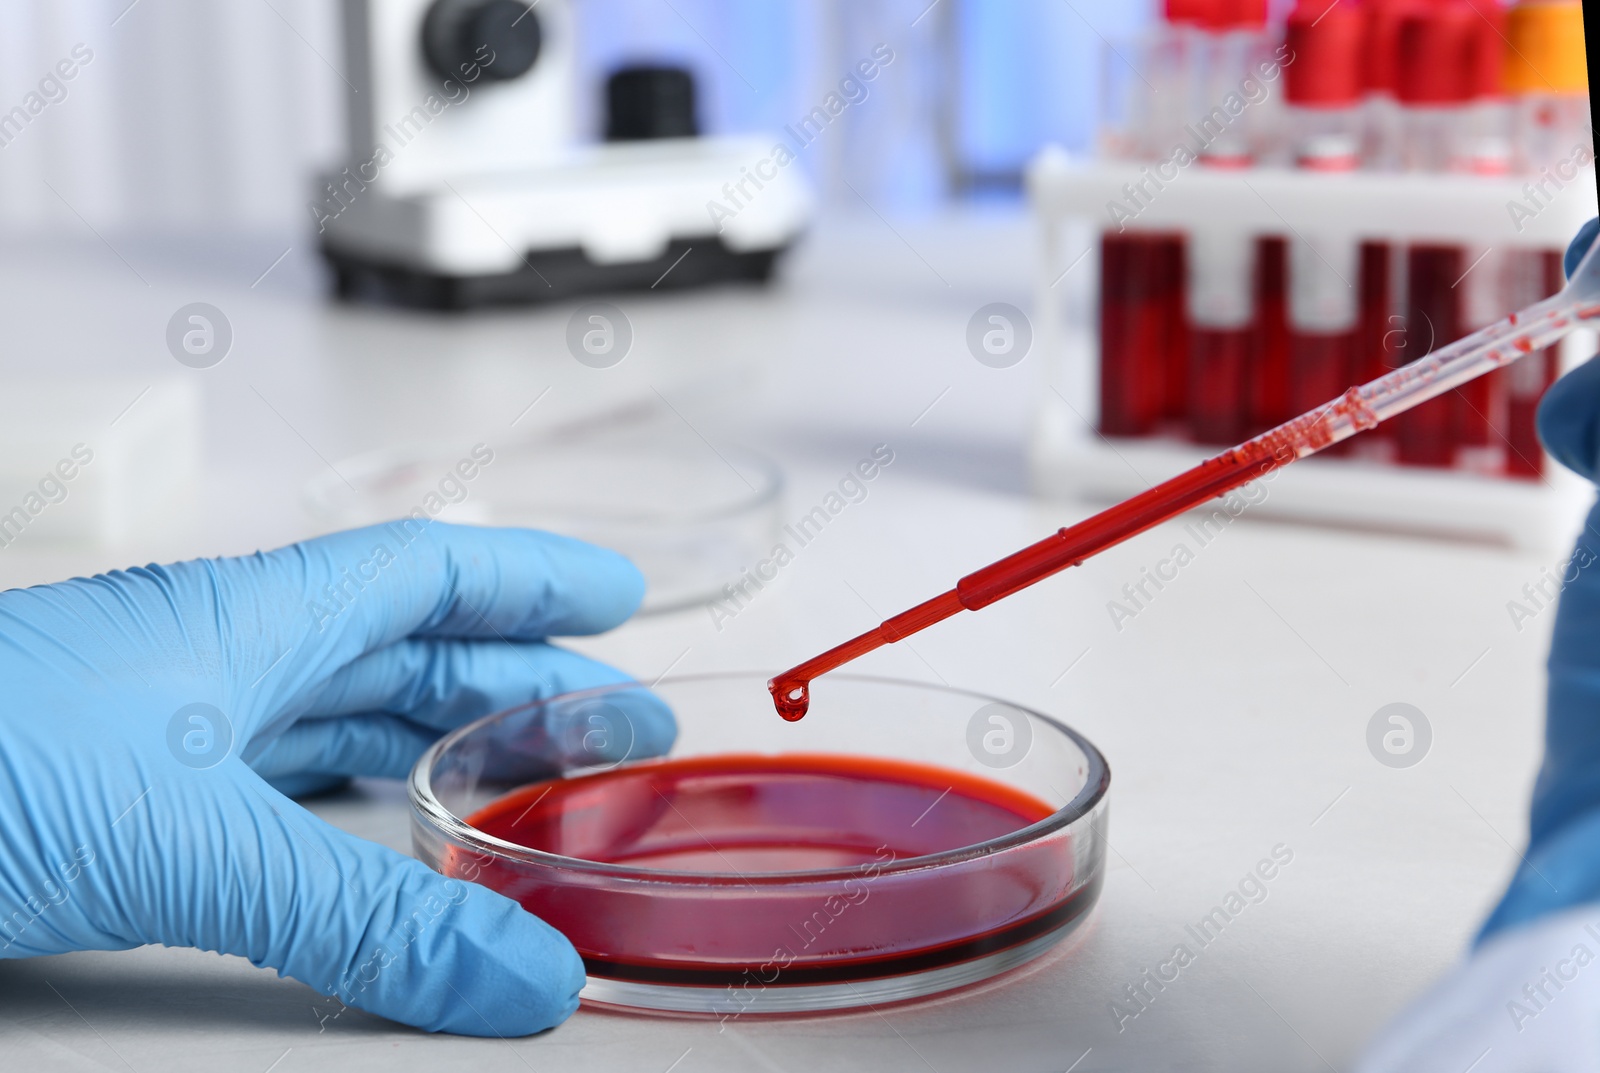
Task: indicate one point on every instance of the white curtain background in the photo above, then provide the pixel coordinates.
(192, 115)
(200, 116)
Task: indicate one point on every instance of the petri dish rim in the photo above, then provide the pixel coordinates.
(1097, 782)
(322, 491)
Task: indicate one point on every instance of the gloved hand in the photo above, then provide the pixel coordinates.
(1528, 997)
(145, 710)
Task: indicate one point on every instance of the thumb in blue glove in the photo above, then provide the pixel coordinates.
(147, 710)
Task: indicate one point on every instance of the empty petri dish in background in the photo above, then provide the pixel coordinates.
(902, 840)
(692, 517)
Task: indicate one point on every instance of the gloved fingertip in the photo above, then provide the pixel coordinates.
(1569, 419)
(510, 972)
(1580, 246)
(475, 963)
(655, 727)
(630, 723)
(613, 590)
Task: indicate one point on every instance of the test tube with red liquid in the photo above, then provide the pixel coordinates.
(1480, 406)
(1134, 333)
(1143, 347)
(1267, 379)
(1435, 49)
(1380, 335)
(1546, 76)
(1324, 86)
(1221, 260)
(1531, 275)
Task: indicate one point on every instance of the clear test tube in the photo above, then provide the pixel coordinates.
(1488, 118)
(1546, 78)
(1324, 86)
(1382, 135)
(1433, 81)
(1177, 42)
(1233, 42)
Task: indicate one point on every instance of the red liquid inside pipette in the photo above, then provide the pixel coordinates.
(791, 690)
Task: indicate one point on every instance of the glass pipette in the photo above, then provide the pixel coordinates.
(1529, 331)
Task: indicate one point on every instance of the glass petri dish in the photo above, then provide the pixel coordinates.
(902, 840)
(692, 519)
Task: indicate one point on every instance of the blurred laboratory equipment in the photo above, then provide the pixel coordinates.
(900, 151)
(1348, 190)
(465, 182)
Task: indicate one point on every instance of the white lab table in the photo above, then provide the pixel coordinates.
(1233, 708)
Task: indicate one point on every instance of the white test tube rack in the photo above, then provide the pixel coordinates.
(1071, 459)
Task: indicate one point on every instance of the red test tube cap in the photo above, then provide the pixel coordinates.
(1436, 47)
(1326, 44)
(1381, 62)
(1236, 15)
(1488, 49)
(1193, 12)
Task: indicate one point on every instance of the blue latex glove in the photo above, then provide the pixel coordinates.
(145, 711)
(1562, 863)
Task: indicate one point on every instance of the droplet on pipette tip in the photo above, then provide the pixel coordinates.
(791, 697)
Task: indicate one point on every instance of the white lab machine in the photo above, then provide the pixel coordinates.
(466, 183)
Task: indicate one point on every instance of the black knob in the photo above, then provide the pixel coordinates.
(501, 38)
(650, 102)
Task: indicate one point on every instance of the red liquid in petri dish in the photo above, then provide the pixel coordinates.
(734, 820)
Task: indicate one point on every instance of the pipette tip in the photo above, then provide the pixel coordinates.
(791, 696)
